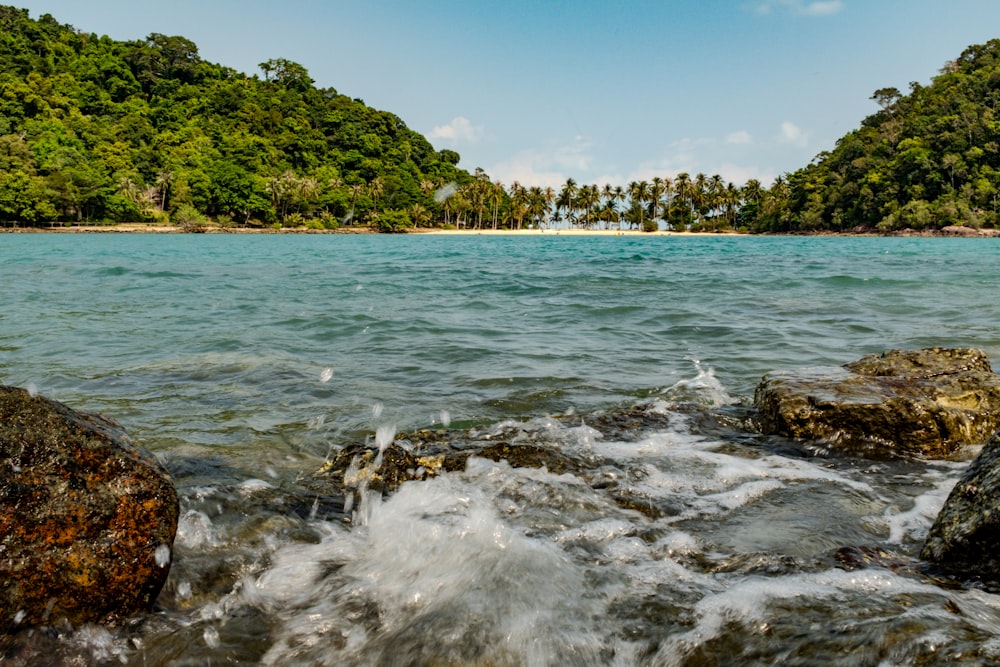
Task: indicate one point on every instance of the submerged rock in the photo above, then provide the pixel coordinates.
(966, 533)
(87, 518)
(926, 402)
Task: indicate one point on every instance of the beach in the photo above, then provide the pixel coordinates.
(150, 228)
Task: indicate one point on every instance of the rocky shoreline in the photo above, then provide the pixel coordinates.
(87, 518)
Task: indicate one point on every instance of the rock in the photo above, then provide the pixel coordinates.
(958, 230)
(87, 518)
(966, 533)
(926, 402)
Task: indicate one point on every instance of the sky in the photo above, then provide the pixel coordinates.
(601, 91)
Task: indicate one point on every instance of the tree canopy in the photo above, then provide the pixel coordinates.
(926, 159)
(93, 129)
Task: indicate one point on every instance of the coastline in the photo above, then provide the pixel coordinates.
(146, 228)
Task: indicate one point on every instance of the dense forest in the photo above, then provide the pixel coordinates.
(93, 129)
(97, 130)
(927, 159)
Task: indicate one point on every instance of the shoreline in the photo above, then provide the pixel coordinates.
(144, 228)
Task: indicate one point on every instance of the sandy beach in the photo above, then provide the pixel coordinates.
(143, 228)
(563, 232)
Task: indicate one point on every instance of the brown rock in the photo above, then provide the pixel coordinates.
(926, 402)
(966, 532)
(87, 518)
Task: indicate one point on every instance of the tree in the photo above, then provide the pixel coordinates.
(393, 221)
(566, 200)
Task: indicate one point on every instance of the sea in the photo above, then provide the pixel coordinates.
(245, 363)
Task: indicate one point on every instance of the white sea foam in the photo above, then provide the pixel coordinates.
(747, 602)
(195, 530)
(435, 558)
(915, 522)
(704, 388)
(250, 487)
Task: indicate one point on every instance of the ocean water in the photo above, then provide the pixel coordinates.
(246, 362)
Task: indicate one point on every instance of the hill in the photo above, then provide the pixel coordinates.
(93, 129)
(926, 160)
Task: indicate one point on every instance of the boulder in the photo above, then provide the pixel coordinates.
(87, 518)
(929, 402)
(966, 533)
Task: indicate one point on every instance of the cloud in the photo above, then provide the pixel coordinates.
(800, 7)
(741, 137)
(459, 130)
(793, 134)
(547, 166)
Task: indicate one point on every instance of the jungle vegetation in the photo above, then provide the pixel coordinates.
(98, 130)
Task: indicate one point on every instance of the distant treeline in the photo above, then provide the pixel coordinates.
(97, 130)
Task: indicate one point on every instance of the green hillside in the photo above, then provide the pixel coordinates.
(93, 129)
(928, 159)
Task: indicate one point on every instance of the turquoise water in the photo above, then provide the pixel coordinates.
(244, 361)
(208, 339)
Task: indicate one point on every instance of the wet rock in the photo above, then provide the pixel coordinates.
(864, 557)
(928, 402)
(966, 534)
(87, 518)
(360, 467)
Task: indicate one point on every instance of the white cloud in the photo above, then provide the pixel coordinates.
(741, 137)
(459, 130)
(820, 8)
(528, 167)
(800, 7)
(793, 134)
(550, 166)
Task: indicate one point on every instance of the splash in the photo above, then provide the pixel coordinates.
(445, 192)
(703, 389)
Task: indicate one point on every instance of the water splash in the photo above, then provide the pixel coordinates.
(162, 555)
(703, 389)
(445, 192)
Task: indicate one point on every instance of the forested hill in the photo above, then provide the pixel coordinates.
(927, 159)
(101, 130)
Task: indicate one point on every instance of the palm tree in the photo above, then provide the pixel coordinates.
(375, 189)
(698, 194)
(164, 179)
(638, 193)
(589, 198)
(496, 194)
(518, 204)
(619, 198)
(610, 209)
(357, 189)
(656, 190)
(537, 204)
(550, 196)
(419, 215)
(566, 196)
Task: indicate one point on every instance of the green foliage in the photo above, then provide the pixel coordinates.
(925, 160)
(393, 221)
(93, 129)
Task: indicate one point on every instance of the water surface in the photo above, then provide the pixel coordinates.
(244, 362)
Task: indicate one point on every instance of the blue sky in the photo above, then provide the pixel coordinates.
(598, 90)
